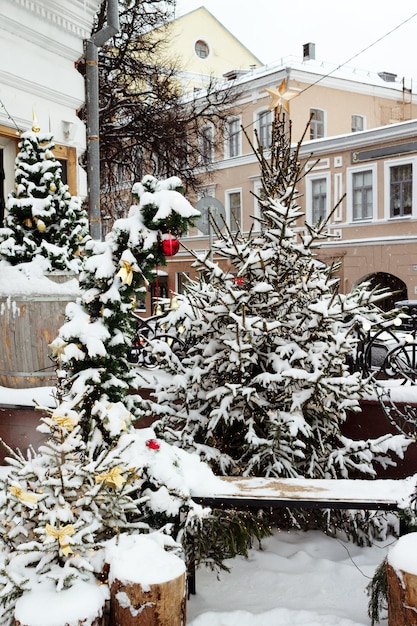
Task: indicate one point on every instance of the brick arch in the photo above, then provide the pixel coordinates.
(397, 287)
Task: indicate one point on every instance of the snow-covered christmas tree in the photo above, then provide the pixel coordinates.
(96, 476)
(43, 219)
(266, 384)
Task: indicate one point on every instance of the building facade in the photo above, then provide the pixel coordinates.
(40, 44)
(361, 134)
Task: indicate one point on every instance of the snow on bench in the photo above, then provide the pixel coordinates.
(381, 494)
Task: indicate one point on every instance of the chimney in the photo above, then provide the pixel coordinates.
(309, 51)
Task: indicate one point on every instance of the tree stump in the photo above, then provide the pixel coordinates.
(147, 584)
(402, 584)
(161, 604)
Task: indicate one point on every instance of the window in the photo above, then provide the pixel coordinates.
(258, 193)
(358, 123)
(235, 210)
(265, 128)
(318, 199)
(233, 137)
(362, 195)
(316, 123)
(182, 279)
(207, 140)
(401, 190)
(201, 49)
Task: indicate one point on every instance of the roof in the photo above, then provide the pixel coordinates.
(202, 9)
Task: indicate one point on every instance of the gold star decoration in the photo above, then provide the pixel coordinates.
(113, 478)
(281, 97)
(57, 348)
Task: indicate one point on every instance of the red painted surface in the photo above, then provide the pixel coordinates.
(372, 423)
(18, 430)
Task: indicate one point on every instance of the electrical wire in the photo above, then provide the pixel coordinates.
(349, 60)
(361, 52)
(19, 130)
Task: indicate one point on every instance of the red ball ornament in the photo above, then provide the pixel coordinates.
(169, 245)
(152, 444)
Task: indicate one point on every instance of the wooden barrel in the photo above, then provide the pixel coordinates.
(28, 324)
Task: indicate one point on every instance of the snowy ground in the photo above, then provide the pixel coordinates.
(298, 579)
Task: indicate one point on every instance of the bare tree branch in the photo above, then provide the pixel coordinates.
(146, 123)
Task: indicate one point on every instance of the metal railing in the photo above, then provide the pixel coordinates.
(144, 351)
(387, 354)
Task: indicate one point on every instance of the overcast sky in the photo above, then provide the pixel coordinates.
(272, 30)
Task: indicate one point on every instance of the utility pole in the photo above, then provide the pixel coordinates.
(92, 102)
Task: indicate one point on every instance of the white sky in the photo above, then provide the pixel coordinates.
(272, 30)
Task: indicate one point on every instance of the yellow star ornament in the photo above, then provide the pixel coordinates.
(281, 97)
(113, 478)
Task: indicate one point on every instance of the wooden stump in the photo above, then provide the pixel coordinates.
(160, 604)
(402, 598)
(402, 584)
(147, 583)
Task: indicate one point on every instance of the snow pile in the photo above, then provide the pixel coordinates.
(296, 579)
(30, 280)
(402, 557)
(179, 471)
(43, 606)
(36, 396)
(142, 559)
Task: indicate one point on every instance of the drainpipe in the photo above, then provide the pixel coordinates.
(93, 139)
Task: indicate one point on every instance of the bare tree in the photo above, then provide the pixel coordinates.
(147, 125)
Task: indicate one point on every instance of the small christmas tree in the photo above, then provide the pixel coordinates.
(43, 218)
(95, 476)
(266, 385)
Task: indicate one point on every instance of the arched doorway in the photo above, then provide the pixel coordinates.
(397, 288)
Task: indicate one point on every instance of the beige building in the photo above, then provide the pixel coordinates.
(362, 131)
(374, 228)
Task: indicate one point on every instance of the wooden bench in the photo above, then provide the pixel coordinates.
(302, 493)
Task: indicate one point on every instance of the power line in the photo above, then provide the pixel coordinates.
(361, 52)
(19, 130)
(350, 59)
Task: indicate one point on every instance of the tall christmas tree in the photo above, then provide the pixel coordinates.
(266, 386)
(42, 217)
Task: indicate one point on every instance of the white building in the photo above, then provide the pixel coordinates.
(40, 44)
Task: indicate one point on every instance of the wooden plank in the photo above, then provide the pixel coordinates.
(311, 493)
